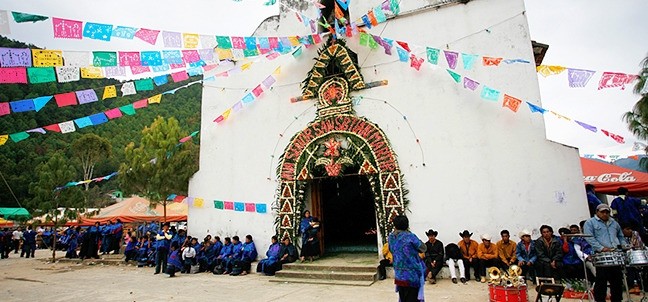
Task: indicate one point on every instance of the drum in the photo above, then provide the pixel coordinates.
(637, 258)
(606, 259)
(498, 293)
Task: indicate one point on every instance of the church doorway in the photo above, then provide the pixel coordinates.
(348, 217)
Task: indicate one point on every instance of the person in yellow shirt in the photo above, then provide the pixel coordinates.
(468, 249)
(388, 261)
(506, 250)
(487, 254)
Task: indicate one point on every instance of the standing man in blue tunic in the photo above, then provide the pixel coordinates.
(29, 243)
(163, 243)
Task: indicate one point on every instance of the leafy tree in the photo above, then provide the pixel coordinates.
(158, 166)
(637, 119)
(90, 149)
(49, 200)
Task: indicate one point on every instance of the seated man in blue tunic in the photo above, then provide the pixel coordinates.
(225, 253)
(273, 255)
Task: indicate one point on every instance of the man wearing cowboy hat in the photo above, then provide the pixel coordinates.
(606, 236)
(433, 256)
(468, 249)
(526, 255)
(487, 254)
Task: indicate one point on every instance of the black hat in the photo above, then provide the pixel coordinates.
(465, 233)
(431, 232)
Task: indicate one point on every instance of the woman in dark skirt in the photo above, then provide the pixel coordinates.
(311, 248)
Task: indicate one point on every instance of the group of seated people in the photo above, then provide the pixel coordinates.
(549, 256)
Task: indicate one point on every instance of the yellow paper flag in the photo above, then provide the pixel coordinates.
(226, 113)
(155, 99)
(293, 40)
(198, 202)
(277, 71)
(246, 66)
(224, 54)
(109, 92)
(46, 58)
(560, 116)
(3, 139)
(190, 40)
(547, 70)
(92, 73)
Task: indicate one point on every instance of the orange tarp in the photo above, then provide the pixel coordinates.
(607, 178)
(137, 209)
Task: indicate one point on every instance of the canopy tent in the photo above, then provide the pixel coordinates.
(15, 213)
(5, 223)
(63, 214)
(607, 178)
(137, 209)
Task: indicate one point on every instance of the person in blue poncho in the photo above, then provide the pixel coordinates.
(265, 265)
(174, 261)
(225, 253)
(409, 268)
(304, 225)
(163, 242)
(241, 266)
(237, 251)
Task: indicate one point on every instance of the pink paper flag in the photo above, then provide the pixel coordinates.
(139, 69)
(250, 207)
(65, 99)
(229, 205)
(113, 113)
(67, 29)
(129, 58)
(615, 79)
(140, 104)
(238, 43)
(147, 35)
(257, 91)
(185, 139)
(176, 66)
(416, 62)
(179, 76)
(13, 75)
(190, 56)
(4, 109)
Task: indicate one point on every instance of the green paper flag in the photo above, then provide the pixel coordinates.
(395, 8)
(250, 53)
(372, 42)
(128, 109)
(433, 55)
(219, 204)
(144, 85)
(22, 17)
(16, 137)
(223, 42)
(104, 58)
(364, 39)
(41, 75)
(455, 76)
(297, 52)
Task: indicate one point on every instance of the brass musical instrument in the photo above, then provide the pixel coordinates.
(511, 277)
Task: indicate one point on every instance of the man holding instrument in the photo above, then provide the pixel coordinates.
(606, 237)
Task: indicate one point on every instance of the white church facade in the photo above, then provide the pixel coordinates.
(372, 137)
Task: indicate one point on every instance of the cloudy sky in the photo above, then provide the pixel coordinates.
(598, 35)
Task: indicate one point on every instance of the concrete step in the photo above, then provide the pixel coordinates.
(329, 268)
(320, 281)
(326, 275)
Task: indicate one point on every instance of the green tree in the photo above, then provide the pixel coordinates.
(159, 166)
(49, 200)
(90, 149)
(637, 119)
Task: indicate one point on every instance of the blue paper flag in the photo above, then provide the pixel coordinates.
(22, 106)
(403, 55)
(124, 32)
(161, 80)
(248, 98)
(239, 206)
(468, 60)
(97, 31)
(261, 208)
(160, 68)
(98, 119)
(199, 63)
(250, 43)
(83, 122)
(172, 57)
(151, 58)
(40, 102)
(489, 93)
(171, 197)
(365, 20)
(195, 71)
(535, 108)
(264, 43)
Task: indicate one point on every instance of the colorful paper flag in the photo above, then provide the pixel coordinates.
(239, 206)
(452, 58)
(617, 138)
(403, 55)
(156, 99)
(53, 128)
(219, 204)
(489, 93)
(86, 96)
(615, 79)
(98, 118)
(228, 205)
(535, 108)
(161, 80)
(4, 109)
(128, 88)
(172, 39)
(130, 58)
(113, 113)
(128, 109)
(415, 62)
(97, 31)
(109, 92)
(22, 106)
(23, 17)
(124, 32)
(41, 75)
(511, 103)
(147, 35)
(4, 137)
(490, 61)
(198, 202)
(67, 29)
(470, 84)
(179, 76)
(11, 75)
(151, 58)
(16, 137)
(92, 72)
(547, 70)
(223, 42)
(15, 57)
(468, 60)
(140, 104)
(455, 76)
(83, 122)
(65, 99)
(47, 58)
(586, 126)
(579, 77)
(144, 85)
(261, 208)
(67, 74)
(139, 69)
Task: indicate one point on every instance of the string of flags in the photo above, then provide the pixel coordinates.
(113, 174)
(238, 206)
(611, 157)
(578, 78)
(513, 103)
(249, 97)
(92, 120)
(86, 96)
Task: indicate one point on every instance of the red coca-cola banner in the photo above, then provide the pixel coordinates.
(608, 178)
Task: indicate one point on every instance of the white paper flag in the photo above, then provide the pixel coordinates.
(4, 23)
(67, 127)
(76, 58)
(207, 41)
(128, 89)
(66, 74)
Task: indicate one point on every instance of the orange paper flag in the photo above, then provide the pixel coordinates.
(511, 103)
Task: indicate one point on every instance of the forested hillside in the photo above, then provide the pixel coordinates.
(18, 161)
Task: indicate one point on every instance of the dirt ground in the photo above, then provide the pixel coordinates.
(36, 280)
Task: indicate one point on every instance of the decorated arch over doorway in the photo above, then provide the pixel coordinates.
(337, 143)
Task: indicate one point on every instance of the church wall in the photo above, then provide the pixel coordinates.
(486, 168)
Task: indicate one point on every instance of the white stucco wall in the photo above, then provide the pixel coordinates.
(487, 168)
